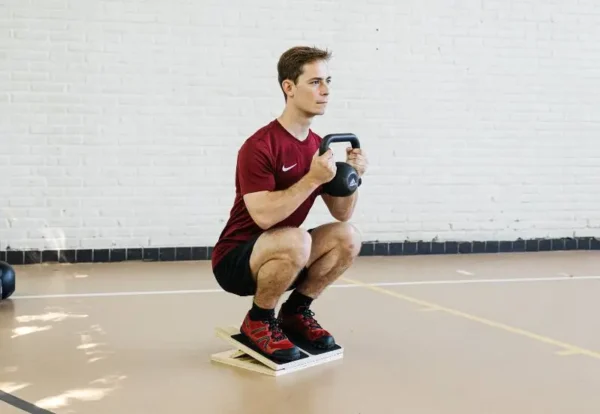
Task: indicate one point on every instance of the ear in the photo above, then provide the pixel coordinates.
(288, 88)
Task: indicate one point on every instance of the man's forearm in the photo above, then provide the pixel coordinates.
(342, 208)
(276, 206)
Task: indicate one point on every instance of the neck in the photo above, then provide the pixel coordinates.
(295, 123)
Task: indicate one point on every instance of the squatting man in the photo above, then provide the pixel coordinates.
(262, 251)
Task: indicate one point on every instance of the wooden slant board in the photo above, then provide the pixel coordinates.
(244, 357)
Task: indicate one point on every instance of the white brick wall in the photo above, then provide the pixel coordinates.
(120, 119)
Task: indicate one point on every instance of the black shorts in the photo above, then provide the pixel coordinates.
(233, 271)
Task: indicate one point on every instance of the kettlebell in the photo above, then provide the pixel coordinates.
(7, 280)
(346, 179)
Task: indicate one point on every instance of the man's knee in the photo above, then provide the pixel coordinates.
(296, 245)
(350, 239)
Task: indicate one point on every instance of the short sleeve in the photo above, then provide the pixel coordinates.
(255, 168)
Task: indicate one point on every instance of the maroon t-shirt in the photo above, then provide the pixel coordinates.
(270, 160)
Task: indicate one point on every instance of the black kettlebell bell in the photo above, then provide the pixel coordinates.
(7, 280)
(346, 179)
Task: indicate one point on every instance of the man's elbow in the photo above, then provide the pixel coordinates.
(342, 216)
(264, 224)
(262, 218)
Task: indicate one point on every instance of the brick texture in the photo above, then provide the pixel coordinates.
(120, 120)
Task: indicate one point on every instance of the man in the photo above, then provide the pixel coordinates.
(262, 251)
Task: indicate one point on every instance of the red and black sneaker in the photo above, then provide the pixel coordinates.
(301, 324)
(267, 338)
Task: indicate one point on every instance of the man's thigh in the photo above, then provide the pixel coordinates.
(278, 243)
(331, 235)
(238, 270)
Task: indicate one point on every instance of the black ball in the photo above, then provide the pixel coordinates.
(345, 182)
(8, 280)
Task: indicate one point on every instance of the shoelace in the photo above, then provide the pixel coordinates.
(308, 317)
(275, 328)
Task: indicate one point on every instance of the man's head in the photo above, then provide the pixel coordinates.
(304, 78)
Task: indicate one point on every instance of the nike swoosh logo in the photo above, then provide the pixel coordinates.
(284, 168)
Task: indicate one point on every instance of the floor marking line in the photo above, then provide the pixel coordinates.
(115, 294)
(475, 281)
(405, 283)
(566, 347)
(22, 404)
(566, 352)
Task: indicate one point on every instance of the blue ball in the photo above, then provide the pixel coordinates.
(8, 280)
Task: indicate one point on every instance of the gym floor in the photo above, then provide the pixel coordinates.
(463, 334)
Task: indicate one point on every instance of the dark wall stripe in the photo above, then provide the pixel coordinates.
(372, 248)
(22, 404)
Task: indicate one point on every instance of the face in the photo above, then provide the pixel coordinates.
(311, 92)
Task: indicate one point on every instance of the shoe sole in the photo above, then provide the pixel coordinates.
(275, 358)
(305, 343)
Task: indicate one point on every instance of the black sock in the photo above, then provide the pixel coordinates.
(259, 314)
(295, 301)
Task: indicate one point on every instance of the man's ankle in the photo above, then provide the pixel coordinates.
(260, 314)
(296, 302)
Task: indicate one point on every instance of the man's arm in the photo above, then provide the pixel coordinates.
(341, 208)
(266, 206)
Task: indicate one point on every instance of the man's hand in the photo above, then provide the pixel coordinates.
(357, 158)
(342, 208)
(322, 167)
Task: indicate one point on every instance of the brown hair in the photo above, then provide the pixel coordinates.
(292, 61)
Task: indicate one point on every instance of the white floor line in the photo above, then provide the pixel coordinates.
(474, 281)
(406, 283)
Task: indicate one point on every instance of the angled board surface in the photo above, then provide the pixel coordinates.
(243, 356)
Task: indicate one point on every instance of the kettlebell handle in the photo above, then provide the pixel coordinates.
(341, 137)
